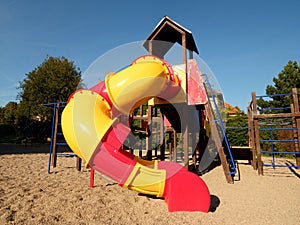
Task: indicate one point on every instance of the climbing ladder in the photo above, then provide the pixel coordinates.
(218, 132)
(271, 125)
(57, 137)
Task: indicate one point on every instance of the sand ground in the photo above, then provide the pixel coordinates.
(29, 195)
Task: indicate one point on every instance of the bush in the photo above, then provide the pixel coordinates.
(7, 129)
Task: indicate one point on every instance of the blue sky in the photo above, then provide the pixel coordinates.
(245, 43)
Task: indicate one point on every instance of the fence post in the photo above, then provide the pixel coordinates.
(251, 136)
(297, 122)
(257, 137)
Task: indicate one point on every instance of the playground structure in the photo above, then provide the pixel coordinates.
(56, 139)
(273, 123)
(94, 133)
(97, 121)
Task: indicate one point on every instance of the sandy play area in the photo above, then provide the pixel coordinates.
(29, 195)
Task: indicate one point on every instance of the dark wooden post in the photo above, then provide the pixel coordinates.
(218, 142)
(295, 131)
(162, 138)
(251, 136)
(297, 121)
(171, 152)
(257, 137)
(141, 126)
(174, 144)
(185, 110)
(148, 134)
(78, 163)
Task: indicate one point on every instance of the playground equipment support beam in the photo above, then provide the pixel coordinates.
(297, 122)
(257, 138)
(251, 137)
(219, 145)
(278, 115)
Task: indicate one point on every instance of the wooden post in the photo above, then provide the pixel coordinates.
(155, 139)
(148, 134)
(202, 135)
(162, 138)
(257, 137)
(251, 137)
(196, 140)
(295, 132)
(218, 141)
(185, 109)
(174, 144)
(297, 122)
(141, 126)
(78, 163)
(171, 152)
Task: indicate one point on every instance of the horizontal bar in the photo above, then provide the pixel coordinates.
(270, 109)
(273, 95)
(231, 128)
(277, 115)
(61, 144)
(271, 128)
(54, 103)
(272, 141)
(66, 155)
(286, 153)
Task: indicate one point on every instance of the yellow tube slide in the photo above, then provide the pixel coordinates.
(85, 120)
(145, 78)
(87, 117)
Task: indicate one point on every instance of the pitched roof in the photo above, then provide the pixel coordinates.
(231, 110)
(170, 32)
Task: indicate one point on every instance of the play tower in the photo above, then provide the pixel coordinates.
(197, 95)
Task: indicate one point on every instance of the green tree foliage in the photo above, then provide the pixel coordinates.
(287, 79)
(1, 114)
(237, 131)
(10, 112)
(52, 81)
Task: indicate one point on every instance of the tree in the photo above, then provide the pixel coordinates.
(52, 81)
(1, 114)
(10, 112)
(236, 124)
(287, 79)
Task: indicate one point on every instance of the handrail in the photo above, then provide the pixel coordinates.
(221, 124)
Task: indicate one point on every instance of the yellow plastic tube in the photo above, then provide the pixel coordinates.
(137, 83)
(87, 117)
(85, 120)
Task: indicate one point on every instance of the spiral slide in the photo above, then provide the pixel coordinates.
(93, 128)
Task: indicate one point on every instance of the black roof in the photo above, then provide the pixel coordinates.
(167, 33)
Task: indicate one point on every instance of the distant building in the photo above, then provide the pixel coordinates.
(232, 110)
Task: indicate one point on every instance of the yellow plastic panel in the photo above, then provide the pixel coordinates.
(146, 180)
(88, 119)
(136, 84)
(181, 95)
(67, 128)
